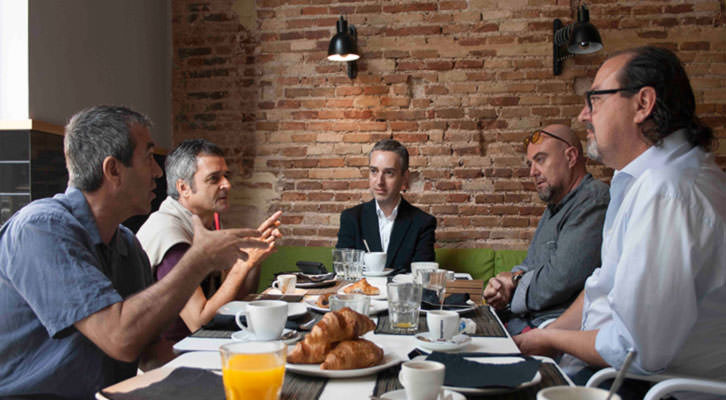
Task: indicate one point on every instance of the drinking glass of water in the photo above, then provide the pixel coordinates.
(404, 301)
(339, 263)
(435, 280)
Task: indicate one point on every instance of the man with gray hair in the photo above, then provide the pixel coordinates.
(76, 295)
(388, 222)
(198, 184)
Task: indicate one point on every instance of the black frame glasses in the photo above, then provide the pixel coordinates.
(590, 93)
(535, 137)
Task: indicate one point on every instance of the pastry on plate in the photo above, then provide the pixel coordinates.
(322, 301)
(363, 287)
(353, 354)
(334, 329)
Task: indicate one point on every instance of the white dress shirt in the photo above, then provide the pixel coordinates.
(661, 288)
(385, 224)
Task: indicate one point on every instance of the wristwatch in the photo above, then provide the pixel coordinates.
(516, 276)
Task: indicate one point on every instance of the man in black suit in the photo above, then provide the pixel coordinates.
(388, 222)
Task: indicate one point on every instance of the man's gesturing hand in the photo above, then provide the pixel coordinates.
(221, 249)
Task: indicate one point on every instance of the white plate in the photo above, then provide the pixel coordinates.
(381, 290)
(385, 272)
(231, 308)
(376, 306)
(401, 395)
(492, 360)
(457, 342)
(247, 336)
(389, 359)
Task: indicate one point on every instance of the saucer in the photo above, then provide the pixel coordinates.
(289, 336)
(401, 395)
(378, 273)
(457, 342)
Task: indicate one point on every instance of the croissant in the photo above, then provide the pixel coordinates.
(362, 286)
(333, 327)
(340, 325)
(351, 354)
(309, 353)
(323, 300)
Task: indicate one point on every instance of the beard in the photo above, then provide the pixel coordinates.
(545, 194)
(593, 152)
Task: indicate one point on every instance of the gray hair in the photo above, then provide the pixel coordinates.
(94, 134)
(394, 146)
(181, 163)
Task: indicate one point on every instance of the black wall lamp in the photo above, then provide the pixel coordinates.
(344, 46)
(580, 37)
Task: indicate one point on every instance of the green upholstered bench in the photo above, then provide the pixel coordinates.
(480, 263)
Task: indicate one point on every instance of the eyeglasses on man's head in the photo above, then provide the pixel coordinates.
(537, 136)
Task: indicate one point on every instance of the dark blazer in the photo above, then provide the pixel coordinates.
(412, 236)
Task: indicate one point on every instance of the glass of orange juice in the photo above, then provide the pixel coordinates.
(253, 370)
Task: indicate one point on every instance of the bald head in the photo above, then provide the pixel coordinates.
(555, 162)
(564, 132)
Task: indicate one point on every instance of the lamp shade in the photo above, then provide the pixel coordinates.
(343, 46)
(584, 39)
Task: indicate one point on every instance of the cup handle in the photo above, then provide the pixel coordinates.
(275, 285)
(238, 321)
(401, 379)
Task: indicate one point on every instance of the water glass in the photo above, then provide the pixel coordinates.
(404, 301)
(253, 370)
(352, 260)
(357, 264)
(359, 303)
(434, 279)
(338, 263)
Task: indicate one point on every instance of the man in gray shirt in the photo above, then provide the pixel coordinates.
(566, 245)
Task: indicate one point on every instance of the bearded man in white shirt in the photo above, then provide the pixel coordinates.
(661, 288)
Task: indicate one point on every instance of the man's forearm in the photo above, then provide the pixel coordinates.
(124, 329)
(580, 344)
(571, 319)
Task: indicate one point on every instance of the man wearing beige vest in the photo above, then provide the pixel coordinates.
(198, 184)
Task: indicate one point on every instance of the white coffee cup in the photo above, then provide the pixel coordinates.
(285, 283)
(374, 261)
(574, 393)
(443, 324)
(422, 380)
(265, 318)
(419, 265)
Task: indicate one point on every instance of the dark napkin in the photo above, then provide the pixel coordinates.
(430, 301)
(227, 322)
(182, 384)
(306, 278)
(465, 373)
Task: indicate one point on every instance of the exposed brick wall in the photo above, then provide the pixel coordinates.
(460, 82)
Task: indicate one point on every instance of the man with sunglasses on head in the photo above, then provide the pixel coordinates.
(661, 289)
(565, 248)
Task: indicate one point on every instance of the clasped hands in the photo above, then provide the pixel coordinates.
(499, 290)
